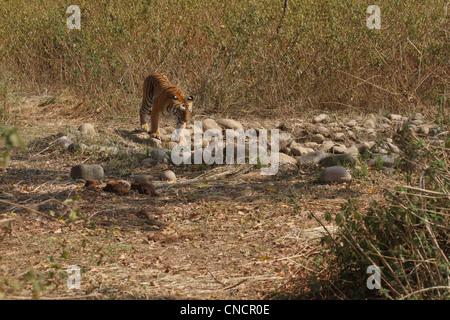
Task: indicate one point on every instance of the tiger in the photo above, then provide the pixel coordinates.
(160, 97)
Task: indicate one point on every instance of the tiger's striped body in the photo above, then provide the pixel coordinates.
(161, 98)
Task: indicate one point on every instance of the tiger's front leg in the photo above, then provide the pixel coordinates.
(154, 130)
(181, 127)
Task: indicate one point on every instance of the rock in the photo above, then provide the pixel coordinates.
(159, 155)
(417, 116)
(77, 147)
(285, 159)
(232, 135)
(87, 171)
(327, 145)
(369, 124)
(339, 136)
(155, 143)
(311, 157)
(395, 117)
(312, 145)
(353, 151)
(335, 174)
(322, 130)
(385, 126)
(173, 144)
(317, 138)
(298, 150)
(87, 129)
(352, 123)
(148, 162)
(63, 142)
(424, 129)
(142, 178)
(285, 127)
(210, 124)
(338, 149)
(168, 175)
(333, 125)
(416, 122)
(385, 161)
(320, 118)
(365, 146)
(338, 160)
(283, 144)
(230, 124)
(393, 148)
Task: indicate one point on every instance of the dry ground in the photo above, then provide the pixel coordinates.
(236, 236)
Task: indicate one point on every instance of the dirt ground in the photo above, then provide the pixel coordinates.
(218, 232)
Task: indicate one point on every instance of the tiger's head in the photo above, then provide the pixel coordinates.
(182, 106)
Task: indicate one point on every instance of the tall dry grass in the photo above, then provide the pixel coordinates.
(235, 56)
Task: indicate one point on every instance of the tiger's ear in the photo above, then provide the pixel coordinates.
(174, 97)
(191, 98)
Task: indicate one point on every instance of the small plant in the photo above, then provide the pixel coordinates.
(12, 140)
(361, 171)
(406, 235)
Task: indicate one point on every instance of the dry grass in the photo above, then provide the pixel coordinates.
(232, 56)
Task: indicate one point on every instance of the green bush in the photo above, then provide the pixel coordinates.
(12, 140)
(407, 235)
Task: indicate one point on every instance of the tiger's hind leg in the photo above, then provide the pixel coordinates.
(146, 111)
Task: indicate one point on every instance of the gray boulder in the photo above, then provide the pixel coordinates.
(168, 175)
(335, 174)
(338, 160)
(311, 157)
(87, 171)
(87, 129)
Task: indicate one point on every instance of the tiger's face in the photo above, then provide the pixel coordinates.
(182, 107)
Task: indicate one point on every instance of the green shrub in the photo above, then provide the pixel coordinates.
(12, 140)
(407, 235)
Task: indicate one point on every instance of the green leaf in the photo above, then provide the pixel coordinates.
(65, 255)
